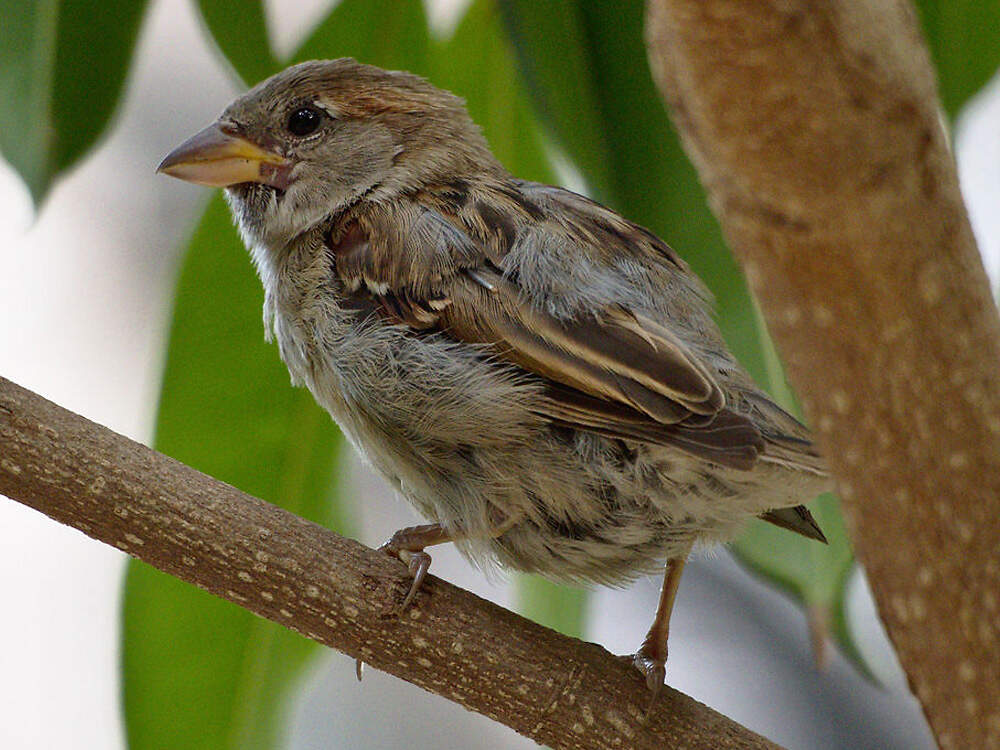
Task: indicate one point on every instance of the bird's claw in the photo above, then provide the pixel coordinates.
(418, 562)
(653, 668)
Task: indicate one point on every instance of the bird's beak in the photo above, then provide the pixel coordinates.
(218, 157)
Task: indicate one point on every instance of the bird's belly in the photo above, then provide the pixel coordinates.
(454, 433)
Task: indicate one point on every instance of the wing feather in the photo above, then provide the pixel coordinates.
(611, 354)
(614, 371)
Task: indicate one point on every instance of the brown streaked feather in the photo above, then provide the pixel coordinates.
(795, 453)
(613, 348)
(402, 307)
(730, 439)
(663, 340)
(645, 401)
(417, 253)
(788, 440)
(617, 373)
(479, 316)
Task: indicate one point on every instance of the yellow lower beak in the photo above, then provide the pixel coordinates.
(219, 158)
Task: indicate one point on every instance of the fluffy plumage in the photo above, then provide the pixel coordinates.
(531, 370)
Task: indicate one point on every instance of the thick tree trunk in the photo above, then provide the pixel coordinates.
(815, 127)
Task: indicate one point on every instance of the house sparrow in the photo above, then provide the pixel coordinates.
(539, 376)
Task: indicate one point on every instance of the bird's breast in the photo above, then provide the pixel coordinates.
(384, 381)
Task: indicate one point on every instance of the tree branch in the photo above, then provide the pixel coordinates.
(558, 691)
(816, 129)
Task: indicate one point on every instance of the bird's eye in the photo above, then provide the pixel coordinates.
(304, 121)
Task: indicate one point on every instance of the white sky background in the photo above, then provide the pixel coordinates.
(84, 298)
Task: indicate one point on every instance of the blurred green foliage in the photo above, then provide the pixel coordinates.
(541, 77)
(62, 67)
(964, 37)
(390, 33)
(239, 28)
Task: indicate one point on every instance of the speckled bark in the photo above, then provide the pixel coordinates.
(814, 125)
(556, 690)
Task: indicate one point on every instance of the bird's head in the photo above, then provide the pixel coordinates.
(319, 136)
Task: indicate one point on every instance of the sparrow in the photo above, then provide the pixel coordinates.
(540, 377)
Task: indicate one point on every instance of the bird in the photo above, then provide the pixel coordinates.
(540, 377)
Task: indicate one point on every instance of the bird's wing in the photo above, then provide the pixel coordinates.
(612, 371)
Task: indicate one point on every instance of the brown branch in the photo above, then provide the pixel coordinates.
(815, 127)
(558, 691)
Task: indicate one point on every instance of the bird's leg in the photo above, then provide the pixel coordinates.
(408, 545)
(651, 658)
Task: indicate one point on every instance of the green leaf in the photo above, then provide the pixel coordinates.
(200, 672)
(62, 68)
(477, 63)
(556, 606)
(965, 45)
(239, 28)
(389, 33)
(555, 60)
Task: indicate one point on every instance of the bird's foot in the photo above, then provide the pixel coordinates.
(408, 545)
(651, 663)
(418, 562)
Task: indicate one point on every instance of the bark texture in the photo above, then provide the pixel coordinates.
(559, 691)
(815, 127)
